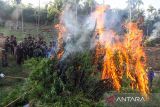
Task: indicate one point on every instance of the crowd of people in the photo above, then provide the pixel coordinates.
(27, 48)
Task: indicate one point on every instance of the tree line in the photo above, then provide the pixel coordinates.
(30, 14)
(50, 13)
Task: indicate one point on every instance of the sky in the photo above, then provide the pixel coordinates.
(121, 4)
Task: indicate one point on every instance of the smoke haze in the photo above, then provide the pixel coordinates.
(156, 32)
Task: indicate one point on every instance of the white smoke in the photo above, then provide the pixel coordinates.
(79, 31)
(14, 18)
(156, 32)
(16, 14)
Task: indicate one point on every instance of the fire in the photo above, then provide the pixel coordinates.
(133, 43)
(122, 55)
(61, 30)
(99, 16)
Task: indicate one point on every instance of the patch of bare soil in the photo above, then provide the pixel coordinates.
(153, 57)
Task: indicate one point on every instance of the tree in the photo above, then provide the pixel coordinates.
(55, 7)
(159, 11)
(151, 9)
(28, 14)
(134, 8)
(5, 11)
(18, 1)
(139, 3)
(134, 4)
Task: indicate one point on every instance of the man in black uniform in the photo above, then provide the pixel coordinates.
(12, 44)
(37, 50)
(7, 45)
(30, 46)
(4, 58)
(19, 54)
(44, 49)
(25, 48)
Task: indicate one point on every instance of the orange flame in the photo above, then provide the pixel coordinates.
(133, 43)
(99, 16)
(61, 30)
(123, 56)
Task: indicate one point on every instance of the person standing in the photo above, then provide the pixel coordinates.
(150, 77)
(30, 47)
(14, 44)
(19, 54)
(4, 58)
(7, 44)
(25, 48)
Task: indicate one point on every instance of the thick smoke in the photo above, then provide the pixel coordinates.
(156, 32)
(16, 14)
(79, 31)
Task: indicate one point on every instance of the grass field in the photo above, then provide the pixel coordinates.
(8, 32)
(11, 82)
(29, 29)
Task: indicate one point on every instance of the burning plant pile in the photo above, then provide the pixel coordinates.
(126, 57)
(122, 55)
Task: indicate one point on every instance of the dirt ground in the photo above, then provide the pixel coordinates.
(153, 57)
